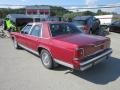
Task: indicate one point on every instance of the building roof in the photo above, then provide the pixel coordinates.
(17, 16)
(13, 17)
(38, 7)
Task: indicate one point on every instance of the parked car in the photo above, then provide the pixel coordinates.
(62, 43)
(115, 27)
(89, 24)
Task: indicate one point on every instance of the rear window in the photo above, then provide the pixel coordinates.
(79, 22)
(63, 28)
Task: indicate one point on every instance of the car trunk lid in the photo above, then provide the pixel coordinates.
(91, 44)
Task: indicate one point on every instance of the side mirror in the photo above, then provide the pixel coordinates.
(25, 32)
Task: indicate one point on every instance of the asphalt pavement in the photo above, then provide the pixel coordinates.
(21, 70)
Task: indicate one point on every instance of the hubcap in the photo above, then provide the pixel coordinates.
(45, 58)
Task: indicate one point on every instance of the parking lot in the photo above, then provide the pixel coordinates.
(21, 70)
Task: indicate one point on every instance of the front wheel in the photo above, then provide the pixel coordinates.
(46, 58)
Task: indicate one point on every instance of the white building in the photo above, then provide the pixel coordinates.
(36, 11)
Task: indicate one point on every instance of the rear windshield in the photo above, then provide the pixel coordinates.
(116, 23)
(63, 28)
(79, 22)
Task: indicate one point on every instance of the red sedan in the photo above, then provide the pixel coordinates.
(62, 43)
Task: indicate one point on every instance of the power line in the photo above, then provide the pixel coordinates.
(72, 7)
(93, 7)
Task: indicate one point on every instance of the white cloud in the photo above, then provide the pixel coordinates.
(13, 7)
(91, 2)
(116, 9)
(95, 5)
(16, 7)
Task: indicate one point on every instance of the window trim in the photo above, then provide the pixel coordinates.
(33, 24)
(56, 23)
(29, 30)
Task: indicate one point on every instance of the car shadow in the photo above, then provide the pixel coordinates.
(62, 68)
(103, 73)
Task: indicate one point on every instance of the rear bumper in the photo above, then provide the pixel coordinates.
(93, 61)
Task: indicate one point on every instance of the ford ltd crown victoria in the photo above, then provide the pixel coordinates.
(62, 43)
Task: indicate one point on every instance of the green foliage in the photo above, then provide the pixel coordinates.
(6, 11)
(72, 15)
(58, 11)
(55, 11)
(100, 12)
(86, 13)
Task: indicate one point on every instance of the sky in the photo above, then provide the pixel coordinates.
(70, 3)
(59, 2)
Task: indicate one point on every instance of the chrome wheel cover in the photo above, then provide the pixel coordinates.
(15, 43)
(45, 59)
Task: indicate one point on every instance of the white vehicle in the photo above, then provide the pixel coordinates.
(107, 19)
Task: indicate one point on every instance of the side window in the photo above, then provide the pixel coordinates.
(90, 22)
(26, 29)
(36, 31)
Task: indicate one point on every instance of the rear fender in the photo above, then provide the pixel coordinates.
(45, 47)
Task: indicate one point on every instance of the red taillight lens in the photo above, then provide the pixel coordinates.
(86, 29)
(79, 53)
(108, 43)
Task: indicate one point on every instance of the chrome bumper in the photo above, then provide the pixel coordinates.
(90, 62)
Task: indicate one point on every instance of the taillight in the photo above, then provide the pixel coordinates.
(86, 29)
(108, 43)
(79, 53)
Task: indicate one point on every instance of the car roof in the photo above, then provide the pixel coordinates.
(116, 22)
(82, 17)
(48, 22)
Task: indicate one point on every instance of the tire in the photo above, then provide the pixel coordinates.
(16, 46)
(90, 32)
(46, 59)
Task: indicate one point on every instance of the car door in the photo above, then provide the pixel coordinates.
(23, 34)
(33, 37)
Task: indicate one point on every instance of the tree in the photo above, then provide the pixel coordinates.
(100, 12)
(54, 11)
(58, 11)
(6, 11)
(86, 13)
(74, 14)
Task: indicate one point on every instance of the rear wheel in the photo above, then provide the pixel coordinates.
(90, 31)
(46, 58)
